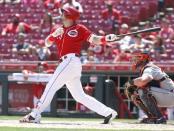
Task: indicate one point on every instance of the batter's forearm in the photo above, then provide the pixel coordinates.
(102, 39)
(95, 39)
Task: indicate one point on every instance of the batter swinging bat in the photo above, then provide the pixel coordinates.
(154, 29)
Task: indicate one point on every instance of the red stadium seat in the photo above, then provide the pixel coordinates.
(169, 3)
(143, 13)
(126, 19)
(132, 12)
(153, 7)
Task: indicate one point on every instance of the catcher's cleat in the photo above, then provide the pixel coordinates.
(30, 119)
(147, 121)
(109, 118)
(160, 120)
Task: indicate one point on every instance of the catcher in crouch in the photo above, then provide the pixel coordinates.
(151, 90)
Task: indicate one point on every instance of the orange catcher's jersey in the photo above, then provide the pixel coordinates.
(71, 40)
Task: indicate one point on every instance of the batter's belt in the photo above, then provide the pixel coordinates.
(66, 56)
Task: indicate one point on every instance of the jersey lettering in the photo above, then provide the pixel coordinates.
(73, 33)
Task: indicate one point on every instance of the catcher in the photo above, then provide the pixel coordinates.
(151, 90)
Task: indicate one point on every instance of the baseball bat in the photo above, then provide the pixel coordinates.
(154, 29)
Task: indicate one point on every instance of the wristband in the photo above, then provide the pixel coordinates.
(51, 38)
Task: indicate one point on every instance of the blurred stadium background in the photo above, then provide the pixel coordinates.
(24, 24)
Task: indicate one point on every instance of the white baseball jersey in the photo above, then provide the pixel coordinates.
(157, 74)
(165, 94)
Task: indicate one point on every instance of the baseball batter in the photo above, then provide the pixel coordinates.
(69, 38)
(151, 90)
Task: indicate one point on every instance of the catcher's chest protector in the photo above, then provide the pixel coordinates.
(154, 83)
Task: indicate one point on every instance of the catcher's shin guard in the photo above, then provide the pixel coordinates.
(150, 103)
(137, 101)
(132, 94)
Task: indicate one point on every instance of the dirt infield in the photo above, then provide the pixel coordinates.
(88, 125)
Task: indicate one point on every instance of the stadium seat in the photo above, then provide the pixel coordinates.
(169, 3)
(143, 13)
(126, 19)
(153, 7)
(132, 12)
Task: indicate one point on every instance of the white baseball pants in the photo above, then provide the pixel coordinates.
(164, 97)
(69, 72)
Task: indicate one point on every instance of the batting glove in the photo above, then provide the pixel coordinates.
(111, 38)
(57, 32)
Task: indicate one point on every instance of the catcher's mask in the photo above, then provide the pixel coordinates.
(139, 59)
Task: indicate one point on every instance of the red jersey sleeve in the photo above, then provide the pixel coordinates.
(104, 14)
(51, 38)
(27, 27)
(85, 33)
(116, 14)
(6, 28)
(9, 28)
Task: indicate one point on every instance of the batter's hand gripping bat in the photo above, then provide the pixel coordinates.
(113, 37)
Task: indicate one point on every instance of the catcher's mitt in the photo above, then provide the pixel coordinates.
(129, 89)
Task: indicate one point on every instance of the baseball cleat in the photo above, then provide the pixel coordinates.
(30, 119)
(110, 117)
(147, 121)
(160, 120)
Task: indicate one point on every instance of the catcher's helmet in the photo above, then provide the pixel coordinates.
(71, 13)
(140, 59)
